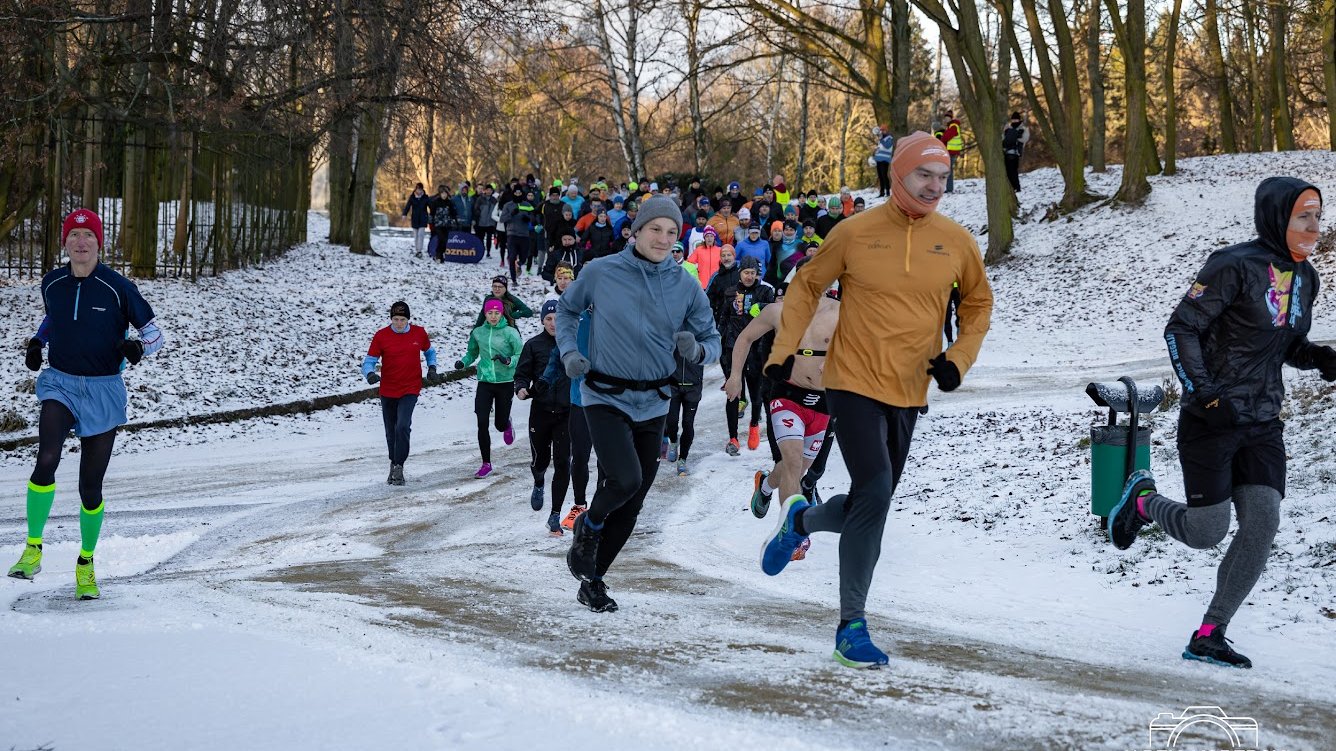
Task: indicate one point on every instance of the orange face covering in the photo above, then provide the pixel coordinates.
(911, 152)
(1302, 244)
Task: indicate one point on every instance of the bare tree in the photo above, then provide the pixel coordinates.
(1131, 35)
(1219, 74)
(1171, 92)
(1280, 88)
(1329, 66)
(1095, 76)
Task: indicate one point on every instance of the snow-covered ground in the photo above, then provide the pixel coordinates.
(264, 589)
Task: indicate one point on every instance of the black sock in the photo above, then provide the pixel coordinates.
(84, 561)
(842, 625)
(798, 526)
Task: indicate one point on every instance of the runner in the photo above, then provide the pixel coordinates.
(397, 348)
(577, 426)
(642, 309)
(81, 388)
(1247, 314)
(513, 307)
(494, 346)
(886, 345)
(740, 304)
(549, 417)
(687, 389)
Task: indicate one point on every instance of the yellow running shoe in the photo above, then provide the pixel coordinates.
(29, 563)
(85, 583)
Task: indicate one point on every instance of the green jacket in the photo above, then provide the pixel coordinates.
(488, 342)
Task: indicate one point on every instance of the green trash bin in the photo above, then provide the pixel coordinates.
(1108, 464)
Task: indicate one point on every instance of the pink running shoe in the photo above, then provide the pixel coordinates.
(484, 470)
(509, 435)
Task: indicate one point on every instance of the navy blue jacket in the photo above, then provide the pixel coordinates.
(87, 319)
(417, 206)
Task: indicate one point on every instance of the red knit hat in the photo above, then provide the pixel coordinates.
(82, 219)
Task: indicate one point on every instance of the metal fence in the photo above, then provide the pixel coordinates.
(173, 202)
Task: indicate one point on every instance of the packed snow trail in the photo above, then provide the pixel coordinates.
(452, 563)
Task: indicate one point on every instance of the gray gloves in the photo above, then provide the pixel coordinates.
(575, 363)
(688, 347)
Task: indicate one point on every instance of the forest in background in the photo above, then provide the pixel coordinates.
(386, 94)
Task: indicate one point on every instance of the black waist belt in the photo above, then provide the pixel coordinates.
(813, 400)
(811, 353)
(607, 384)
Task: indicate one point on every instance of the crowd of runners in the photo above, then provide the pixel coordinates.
(830, 321)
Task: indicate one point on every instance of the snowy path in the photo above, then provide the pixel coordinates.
(446, 593)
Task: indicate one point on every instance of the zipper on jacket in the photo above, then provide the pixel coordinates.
(78, 289)
(909, 242)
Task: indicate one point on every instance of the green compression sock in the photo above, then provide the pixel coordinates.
(90, 526)
(40, 498)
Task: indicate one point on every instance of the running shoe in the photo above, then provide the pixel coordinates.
(85, 583)
(594, 595)
(672, 452)
(484, 470)
(854, 647)
(778, 548)
(682, 468)
(509, 435)
(732, 447)
(569, 521)
(801, 551)
(753, 437)
(1125, 522)
(536, 498)
(554, 524)
(1214, 648)
(396, 474)
(663, 449)
(760, 501)
(29, 563)
(582, 558)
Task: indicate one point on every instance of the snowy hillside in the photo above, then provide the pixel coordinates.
(263, 570)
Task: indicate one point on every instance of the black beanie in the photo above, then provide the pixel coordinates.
(399, 309)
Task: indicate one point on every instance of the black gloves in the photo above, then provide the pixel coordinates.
(501, 359)
(688, 347)
(432, 377)
(1216, 411)
(33, 359)
(944, 372)
(132, 350)
(459, 364)
(782, 371)
(373, 378)
(1326, 363)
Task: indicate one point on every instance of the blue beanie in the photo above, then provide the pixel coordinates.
(549, 306)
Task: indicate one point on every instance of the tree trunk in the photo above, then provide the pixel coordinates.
(341, 131)
(803, 88)
(901, 51)
(1171, 93)
(620, 118)
(1280, 87)
(1256, 88)
(691, 10)
(874, 36)
(1059, 113)
(844, 137)
(369, 126)
(428, 148)
(774, 116)
(1131, 35)
(1095, 73)
(978, 93)
(1220, 76)
(1329, 67)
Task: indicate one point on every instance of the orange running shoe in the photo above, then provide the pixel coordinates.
(732, 447)
(569, 521)
(754, 437)
(800, 552)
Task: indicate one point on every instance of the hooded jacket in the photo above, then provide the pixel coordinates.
(483, 206)
(635, 308)
(486, 344)
(717, 290)
(1247, 313)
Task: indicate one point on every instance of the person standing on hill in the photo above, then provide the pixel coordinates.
(886, 350)
(495, 346)
(954, 139)
(882, 158)
(89, 309)
(1245, 316)
(397, 348)
(420, 218)
(1014, 138)
(642, 309)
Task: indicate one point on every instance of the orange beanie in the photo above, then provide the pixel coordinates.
(911, 152)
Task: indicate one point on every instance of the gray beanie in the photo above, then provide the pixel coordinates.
(656, 207)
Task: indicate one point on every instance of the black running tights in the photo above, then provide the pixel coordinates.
(54, 424)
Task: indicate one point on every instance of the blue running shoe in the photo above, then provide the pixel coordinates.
(778, 548)
(1124, 522)
(854, 647)
(536, 499)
